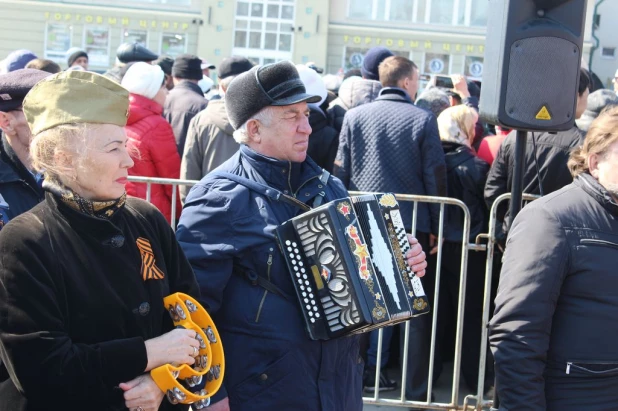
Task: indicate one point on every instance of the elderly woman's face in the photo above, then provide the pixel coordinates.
(103, 169)
(606, 170)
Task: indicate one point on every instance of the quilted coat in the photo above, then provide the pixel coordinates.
(153, 149)
(391, 145)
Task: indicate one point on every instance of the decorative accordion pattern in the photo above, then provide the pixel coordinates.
(346, 260)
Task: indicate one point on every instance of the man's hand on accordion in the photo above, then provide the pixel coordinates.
(416, 257)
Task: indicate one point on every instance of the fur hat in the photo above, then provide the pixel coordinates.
(143, 79)
(18, 59)
(276, 84)
(372, 60)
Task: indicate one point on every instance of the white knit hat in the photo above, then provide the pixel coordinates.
(143, 79)
(313, 82)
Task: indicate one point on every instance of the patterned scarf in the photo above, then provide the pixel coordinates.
(99, 209)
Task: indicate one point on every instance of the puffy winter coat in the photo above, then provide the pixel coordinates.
(554, 331)
(210, 142)
(270, 361)
(152, 147)
(182, 104)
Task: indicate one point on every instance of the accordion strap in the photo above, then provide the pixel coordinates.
(263, 189)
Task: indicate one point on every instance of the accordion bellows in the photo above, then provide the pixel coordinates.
(347, 262)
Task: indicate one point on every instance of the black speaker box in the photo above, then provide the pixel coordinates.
(532, 59)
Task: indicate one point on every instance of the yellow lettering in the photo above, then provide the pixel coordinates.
(457, 47)
(58, 16)
(185, 26)
(78, 17)
(469, 48)
(401, 43)
(428, 44)
(367, 40)
(112, 20)
(153, 24)
(125, 21)
(175, 25)
(89, 18)
(165, 24)
(481, 49)
(143, 23)
(389, 42)
(346, 38)
(446, 47)
(99, 19)
(414, 44)
(378, 40)
(67, 16)
(47, 14)
(357, 39)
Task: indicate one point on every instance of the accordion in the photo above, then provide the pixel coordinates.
(347, 263)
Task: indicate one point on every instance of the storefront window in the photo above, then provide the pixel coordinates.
(353, 57)
(264, 29)
(437, 63)
(474, 67)
(57, 41)
(463, 12)
(173, 44)
(96, 44)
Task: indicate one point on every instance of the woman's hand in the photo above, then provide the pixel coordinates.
(142, 394)
(178, 346)
(416, 257)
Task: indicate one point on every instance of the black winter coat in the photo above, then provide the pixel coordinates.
(465, 175)
(19, 190)
(553, 151)
(75, 309)
(323, 141)
(554, 331)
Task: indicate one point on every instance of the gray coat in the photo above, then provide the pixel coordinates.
(554, 331)
(181, 105)
(210, 142)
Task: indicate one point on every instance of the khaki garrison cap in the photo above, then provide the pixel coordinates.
(75, 97)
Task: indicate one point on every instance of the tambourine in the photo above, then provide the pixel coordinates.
(209, 364)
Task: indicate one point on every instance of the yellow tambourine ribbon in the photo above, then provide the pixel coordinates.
(209, 364)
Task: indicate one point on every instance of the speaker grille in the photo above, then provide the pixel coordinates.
(542, 72)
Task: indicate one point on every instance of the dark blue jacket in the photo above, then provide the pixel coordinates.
(19, 190)
(270, 361)
(391, 145)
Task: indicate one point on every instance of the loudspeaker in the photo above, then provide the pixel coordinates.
(532, 60)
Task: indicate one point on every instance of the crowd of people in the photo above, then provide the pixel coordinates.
(81, 313)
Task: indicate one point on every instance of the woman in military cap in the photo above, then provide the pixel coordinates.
(83, 275)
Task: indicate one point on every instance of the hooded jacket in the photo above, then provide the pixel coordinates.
(270, 361)
(152, 147)
(353, 92)
(210, 142)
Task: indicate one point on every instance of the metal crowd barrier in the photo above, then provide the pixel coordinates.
(466, 247)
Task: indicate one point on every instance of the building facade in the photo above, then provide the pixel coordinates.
(604, 56)
(440, 36)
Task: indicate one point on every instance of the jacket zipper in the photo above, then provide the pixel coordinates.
(270, 263)
(571, 364)
(598, 242)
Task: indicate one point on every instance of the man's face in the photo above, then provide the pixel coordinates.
(607, 171)
(81, 61)
(582, 103)
(412, 86)
(287, 137)
(14, 124)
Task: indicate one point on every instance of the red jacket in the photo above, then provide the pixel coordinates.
(153, 149)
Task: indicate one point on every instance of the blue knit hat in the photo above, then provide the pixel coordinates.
(372, 60)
